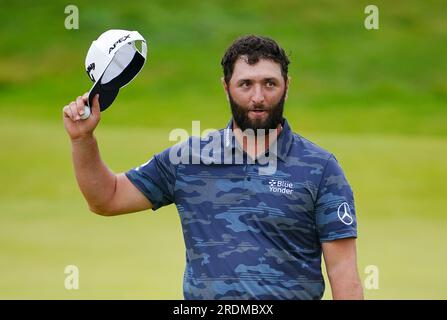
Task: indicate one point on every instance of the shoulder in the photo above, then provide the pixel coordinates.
(311, 161)
(324, 163)
(306, 149)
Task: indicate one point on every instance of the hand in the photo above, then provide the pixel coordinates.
(75, 126)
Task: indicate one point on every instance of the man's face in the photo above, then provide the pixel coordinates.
(256, 94)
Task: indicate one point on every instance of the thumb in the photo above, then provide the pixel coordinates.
(96, 109)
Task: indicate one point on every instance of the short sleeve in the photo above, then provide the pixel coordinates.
(334, 207)
(155, 179)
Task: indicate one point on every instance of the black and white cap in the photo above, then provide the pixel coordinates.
(112, 61)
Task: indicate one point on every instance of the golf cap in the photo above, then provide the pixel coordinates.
(112, 61)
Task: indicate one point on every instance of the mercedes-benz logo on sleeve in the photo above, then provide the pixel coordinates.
(344, 214)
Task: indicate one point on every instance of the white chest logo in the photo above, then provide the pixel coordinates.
(279, 186)
(344, 214)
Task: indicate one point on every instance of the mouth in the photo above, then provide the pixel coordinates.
(257, 112)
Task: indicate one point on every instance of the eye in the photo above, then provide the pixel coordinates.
(245, 84)
(270, 84)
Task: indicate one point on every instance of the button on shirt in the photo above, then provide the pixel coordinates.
(251, 234)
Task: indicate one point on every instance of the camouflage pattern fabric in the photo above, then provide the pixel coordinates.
(250, 235)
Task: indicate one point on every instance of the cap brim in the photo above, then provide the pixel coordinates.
(108, 91)
(106, 95)
(129, 72)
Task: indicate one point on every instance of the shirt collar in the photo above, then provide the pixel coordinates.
(283, 142)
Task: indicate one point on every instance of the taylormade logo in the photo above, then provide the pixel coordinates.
(90, 68)
(280, 186)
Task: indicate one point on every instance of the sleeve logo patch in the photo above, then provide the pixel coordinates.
(344, 214)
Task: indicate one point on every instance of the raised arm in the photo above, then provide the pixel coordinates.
(106, 193)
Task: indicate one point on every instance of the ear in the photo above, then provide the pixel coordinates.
(225, 86)
(287, 86)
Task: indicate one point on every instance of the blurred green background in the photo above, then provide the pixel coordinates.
(375, 98)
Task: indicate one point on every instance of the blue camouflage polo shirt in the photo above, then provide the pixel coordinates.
(250, 235)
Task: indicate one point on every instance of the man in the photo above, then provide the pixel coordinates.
(249, 234)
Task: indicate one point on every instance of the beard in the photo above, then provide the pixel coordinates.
(274, 115)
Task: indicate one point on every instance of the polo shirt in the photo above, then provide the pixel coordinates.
(248, 234)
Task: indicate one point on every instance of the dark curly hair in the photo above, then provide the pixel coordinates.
(255, 48)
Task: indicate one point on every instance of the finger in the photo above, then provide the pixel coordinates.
(87, 113)
(74, 111)
(80, 105)
(85, 98)
(96, 109)
(66, 112)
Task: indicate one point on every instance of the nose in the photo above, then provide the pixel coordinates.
(258, 95)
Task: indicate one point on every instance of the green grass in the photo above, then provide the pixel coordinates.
(344, 77)
(377, 99)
